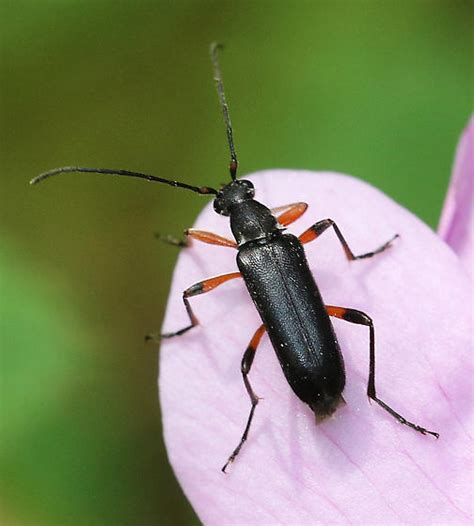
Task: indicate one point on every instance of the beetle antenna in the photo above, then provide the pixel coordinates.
(225, 108)
(125, 173)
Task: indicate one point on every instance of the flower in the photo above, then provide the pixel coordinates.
(456, 225)
(361, 466)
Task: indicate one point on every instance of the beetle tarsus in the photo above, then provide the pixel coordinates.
(172, 240)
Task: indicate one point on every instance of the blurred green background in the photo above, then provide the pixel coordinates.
(380, 90)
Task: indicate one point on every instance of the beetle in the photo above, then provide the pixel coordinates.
(276, 273)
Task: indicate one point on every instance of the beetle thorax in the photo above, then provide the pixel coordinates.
(250, 220)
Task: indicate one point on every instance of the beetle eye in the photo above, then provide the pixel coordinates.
(249, 188)
(219, 207)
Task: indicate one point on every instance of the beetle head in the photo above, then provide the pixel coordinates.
(233, 194)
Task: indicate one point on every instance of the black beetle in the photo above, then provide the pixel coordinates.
(275, 270)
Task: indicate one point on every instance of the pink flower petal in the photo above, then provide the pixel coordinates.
(361, 466)
(456, 225)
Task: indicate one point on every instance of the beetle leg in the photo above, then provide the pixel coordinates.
(318, 228)
(198, 288)
(171, 240)
(356, 316)
(199, 235)
(292, 212)
(210, 238)
(246, 364)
